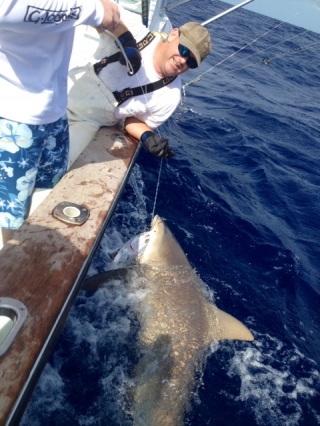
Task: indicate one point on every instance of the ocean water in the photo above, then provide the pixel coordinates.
(242, 197)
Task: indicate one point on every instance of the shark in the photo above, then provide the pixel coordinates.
(178, 322)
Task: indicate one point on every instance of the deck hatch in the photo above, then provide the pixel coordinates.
(12, 315)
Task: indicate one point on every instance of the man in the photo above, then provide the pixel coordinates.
(36, 38)
(96, 89)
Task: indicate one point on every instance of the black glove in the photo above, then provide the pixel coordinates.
(131, 50)
(157, 145)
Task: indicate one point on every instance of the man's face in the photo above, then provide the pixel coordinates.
(171, 62)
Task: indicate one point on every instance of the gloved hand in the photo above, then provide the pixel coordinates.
(131, 50)
(157, 145)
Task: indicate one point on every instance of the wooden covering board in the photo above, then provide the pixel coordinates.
(41, 266)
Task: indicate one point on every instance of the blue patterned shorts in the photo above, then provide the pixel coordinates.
(30, 157)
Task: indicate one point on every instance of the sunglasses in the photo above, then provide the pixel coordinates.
(185, 53)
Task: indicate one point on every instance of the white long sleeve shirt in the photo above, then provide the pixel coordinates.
(36, 38)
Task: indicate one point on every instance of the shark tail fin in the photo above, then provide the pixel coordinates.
(233, 329)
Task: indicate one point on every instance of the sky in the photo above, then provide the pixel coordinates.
(302, 13)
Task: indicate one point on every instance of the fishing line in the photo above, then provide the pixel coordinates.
(156, 130)
(262, 61)
(297, 49)
(249, 56)
(263, 50)
(144, 91)
(268, 60)
(244, 47)
(157, 189)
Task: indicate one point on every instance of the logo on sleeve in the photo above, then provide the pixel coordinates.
(46, 16)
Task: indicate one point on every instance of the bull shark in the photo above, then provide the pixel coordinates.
(178, 323)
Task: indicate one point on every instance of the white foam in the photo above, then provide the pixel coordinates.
(268, 380)
(50, 393)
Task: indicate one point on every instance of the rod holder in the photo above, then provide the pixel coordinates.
(71, 213)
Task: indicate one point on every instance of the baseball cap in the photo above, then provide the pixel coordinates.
(197, 39)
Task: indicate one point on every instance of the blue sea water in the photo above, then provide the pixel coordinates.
(242, 197)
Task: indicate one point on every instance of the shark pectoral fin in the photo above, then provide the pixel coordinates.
(102, 279)
(225, 326)
(231, 328)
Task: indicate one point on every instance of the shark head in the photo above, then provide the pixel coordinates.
(158, 247)
(162, 249)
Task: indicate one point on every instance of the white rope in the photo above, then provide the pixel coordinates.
(128, 63)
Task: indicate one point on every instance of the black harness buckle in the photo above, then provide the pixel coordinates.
(123, 95)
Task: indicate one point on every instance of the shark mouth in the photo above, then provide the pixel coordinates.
(132, 250)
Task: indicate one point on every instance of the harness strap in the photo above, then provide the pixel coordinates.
(105, 61)
(116, 56)
(136, 91)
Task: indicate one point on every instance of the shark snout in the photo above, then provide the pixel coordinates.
(156, 221)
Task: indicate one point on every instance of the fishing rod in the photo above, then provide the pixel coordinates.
(226, 12)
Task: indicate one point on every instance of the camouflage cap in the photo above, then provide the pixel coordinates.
(197, 39)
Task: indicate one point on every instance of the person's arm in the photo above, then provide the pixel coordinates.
(111, 18)
(129, 45)
(119, 29)
(52, 16)
(136, 127)
(155, 144)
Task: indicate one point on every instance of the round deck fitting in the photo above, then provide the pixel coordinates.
(71, 213)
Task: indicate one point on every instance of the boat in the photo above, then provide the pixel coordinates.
(44, 265)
